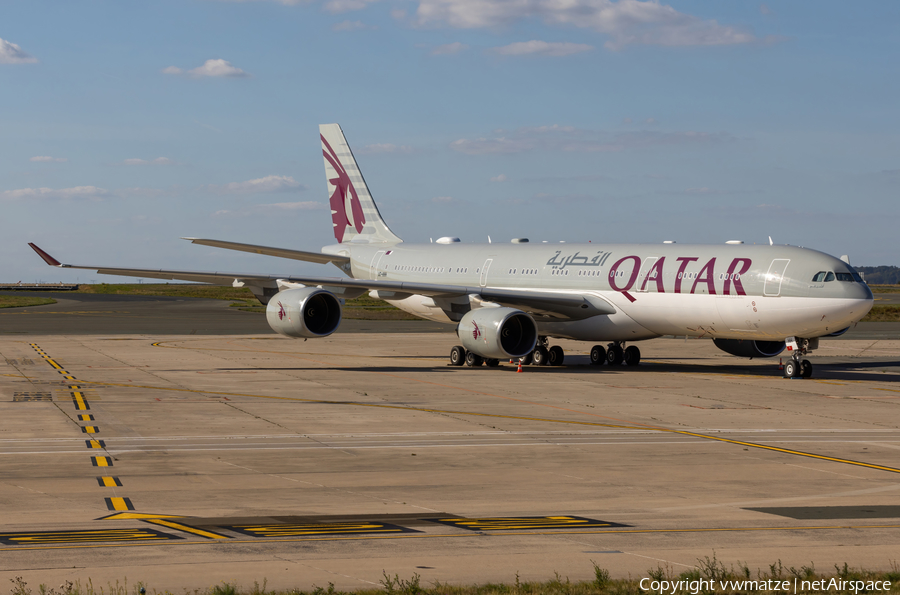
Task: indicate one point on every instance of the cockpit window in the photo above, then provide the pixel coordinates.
(819, 277)
(829, 276)
(845, 277)
(857, 278)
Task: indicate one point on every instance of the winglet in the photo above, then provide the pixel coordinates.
(47, 258)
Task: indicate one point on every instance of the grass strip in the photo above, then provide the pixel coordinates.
(19, 301)
(709, 577)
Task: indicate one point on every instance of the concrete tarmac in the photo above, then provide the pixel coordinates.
(185, 461)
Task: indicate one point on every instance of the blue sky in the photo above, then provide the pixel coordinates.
(126, 125)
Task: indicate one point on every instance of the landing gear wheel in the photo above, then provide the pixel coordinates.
(556, 355)
(528, 359)
(792, 369)
(457, 356)
(598, 355)
(541, 356)
(806, 369)
(615, 355)
(491, 363)
(473, 359)
(632, 356)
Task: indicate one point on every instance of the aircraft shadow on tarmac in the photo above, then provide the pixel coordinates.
(859, 371)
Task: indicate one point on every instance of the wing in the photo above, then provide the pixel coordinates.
(270, 251)
(557, 305)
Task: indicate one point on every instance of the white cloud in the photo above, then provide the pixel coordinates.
(267, 184)
(542, 48)
(214, 68)
(51, 193)
(626, 22)
(442, 199)
(157, 161)
(47, 159)
(449, 48)
(339, 6)
(382, 148)
(569, 139)
(351, 26)
(11, 53)
(500, 178)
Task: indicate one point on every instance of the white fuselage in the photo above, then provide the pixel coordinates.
(731, 291)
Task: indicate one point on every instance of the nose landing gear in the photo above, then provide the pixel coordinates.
(798, 366)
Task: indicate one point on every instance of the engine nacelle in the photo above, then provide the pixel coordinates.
(498, 333)
(306, 312)
(749, 347)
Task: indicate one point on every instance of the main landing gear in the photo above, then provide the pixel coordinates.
(615, 354)
(459, 356)
(545, 355)
(797, 366)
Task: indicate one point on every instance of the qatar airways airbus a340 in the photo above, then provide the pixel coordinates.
(510, 300)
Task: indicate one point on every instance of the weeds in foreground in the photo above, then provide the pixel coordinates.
(707, 568)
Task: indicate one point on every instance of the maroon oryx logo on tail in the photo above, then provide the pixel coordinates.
(342, 185)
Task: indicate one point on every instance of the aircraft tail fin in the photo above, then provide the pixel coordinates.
(354, 215)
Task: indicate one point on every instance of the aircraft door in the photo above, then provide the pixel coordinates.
(484, 271)
(775, 276)
(643, 283)
(376, 260)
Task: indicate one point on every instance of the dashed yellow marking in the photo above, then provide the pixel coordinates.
(86, 417)
(519, 523)
(117, 503)
(101, 462)
(80, 403)
(95, 443)
(187, 529)
(107, 481)
(90, 429)
(47, 537)
(295, 529)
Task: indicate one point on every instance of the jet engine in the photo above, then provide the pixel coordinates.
(306, 312)
(498, 333)
(749, 347)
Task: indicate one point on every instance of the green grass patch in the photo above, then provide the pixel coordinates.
(883, 314)
(885, 288)
(189, 290)
(20, 301)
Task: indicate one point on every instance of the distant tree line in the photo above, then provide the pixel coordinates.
(883, 275)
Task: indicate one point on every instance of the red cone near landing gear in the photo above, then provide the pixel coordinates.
(780, 365)
(520, 367)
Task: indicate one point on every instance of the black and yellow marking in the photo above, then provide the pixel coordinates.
(527, 522)
(95, 443)
(101, 461)
(81, 403)
(85, 417)
(117, 503)
(130, 516)
(24, 396)
(108, 481)
(298, 529)
(187, 529)
(90, 429)
(46, 537)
